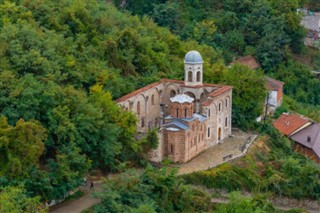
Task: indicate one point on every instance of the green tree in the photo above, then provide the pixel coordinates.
(21, 146)
(15, 200)
(239, 203)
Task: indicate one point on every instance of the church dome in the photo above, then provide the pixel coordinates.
(182, 98)
(193, 57)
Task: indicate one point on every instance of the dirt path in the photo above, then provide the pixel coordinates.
(77, 206)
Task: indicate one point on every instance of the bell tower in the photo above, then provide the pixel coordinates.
(193, 69)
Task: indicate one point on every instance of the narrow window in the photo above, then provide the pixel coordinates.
(138, 108)
(208, 131)
(156, 122)
(185, 113)
(177, 112)
(209, 112)
(226, 103)
(152, 100)
(171, 149)
(219, 107)
(199, 139)
(198, 76)
(142, 122)
(172, 93)
(190, 76)
(226, 122)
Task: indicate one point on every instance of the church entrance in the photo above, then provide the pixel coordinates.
(219, 134)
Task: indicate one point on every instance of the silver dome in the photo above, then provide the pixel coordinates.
(193, 57)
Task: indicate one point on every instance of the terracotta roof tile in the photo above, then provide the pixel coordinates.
(149, 86)
(248, 61)
(287, 124)
(220, 91)
(220, 88)
(273, 84)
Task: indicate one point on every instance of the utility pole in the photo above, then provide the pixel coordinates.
(266, 110)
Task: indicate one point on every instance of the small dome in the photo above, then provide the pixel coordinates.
(193, 57)
(182, 98)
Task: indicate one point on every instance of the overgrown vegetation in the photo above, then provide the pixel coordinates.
(271, 168)
(152, 190)
(62, 63)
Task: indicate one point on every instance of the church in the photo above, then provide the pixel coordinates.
(191, 116)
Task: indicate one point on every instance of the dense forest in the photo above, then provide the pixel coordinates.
(63, 63)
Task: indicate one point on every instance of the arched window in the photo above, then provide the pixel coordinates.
(152, 100)
(185, 112)
(189, 76)
(177, 112)
(220, 107)
(138, 108)
(142, 122)
(226, 102)
(172, 93)
(198, 76)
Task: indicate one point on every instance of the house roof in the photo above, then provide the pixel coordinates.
(194, 116)
(273, 84)
(177, 124)
(219, 89)
(311, 132)
(287, 124)
(248, 61)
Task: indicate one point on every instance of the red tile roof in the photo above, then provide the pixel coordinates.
(149, 86)
(220, 88)
(273, 84)
(287, 124)
(248, 61)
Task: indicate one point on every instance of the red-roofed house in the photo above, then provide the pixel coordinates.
(275, 90)
(289, 124)
(307, 142)
(248, 61)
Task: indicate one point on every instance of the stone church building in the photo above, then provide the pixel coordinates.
(190, 115)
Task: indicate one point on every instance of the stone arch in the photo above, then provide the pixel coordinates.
(220, 106)
(198, 76)
(190, 76)
(154, 100)
(227, 102)
(165, 98)
(194, 100)
(139, 99)
(203, 98)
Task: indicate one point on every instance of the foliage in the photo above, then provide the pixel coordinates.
(268, 26)
(291, 105)
(248, 92)
(15, 200)
(151, 190)
(20, 146)
(62, 63)
(239, 203)
(300, 83)
(277, 171)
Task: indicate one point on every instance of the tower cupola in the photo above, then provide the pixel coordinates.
(193, 68)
